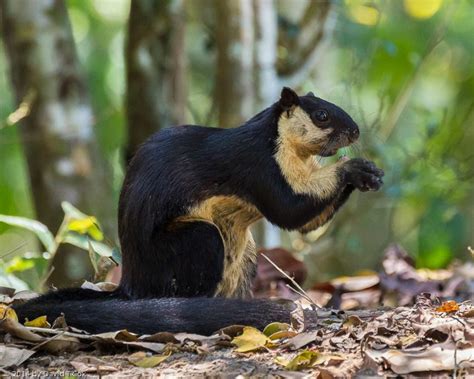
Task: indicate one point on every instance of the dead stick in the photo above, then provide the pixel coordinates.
(303, 293)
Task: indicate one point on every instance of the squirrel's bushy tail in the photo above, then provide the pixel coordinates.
(99, 312)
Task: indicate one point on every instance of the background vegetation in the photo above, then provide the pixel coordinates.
(403, 69)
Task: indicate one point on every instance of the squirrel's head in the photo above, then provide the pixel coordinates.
(314, 126)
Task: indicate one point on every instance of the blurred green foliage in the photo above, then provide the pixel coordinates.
(77, 229)
(404, 69)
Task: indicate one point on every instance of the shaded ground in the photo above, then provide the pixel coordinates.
(429, 334)
(425, 337)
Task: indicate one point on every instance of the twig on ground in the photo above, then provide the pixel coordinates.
(301, 292)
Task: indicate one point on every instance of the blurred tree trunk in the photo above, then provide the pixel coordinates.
(305, 40)
(234, 91)
(266, 26)
(63, 158)
(156, 69)
(248, 74)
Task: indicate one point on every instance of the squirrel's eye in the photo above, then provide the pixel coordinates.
(321, 115)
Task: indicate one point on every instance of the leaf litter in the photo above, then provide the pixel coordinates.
(427, 334)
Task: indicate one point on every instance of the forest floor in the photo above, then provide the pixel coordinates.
(427, 334)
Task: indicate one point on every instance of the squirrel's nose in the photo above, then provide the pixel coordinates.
(354, 133)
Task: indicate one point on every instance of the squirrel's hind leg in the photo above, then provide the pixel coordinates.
(192, 259)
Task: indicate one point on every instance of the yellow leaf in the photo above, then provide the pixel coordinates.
(39, 322)
(250, 340)
(86, 225)
(7, 312)
(422, 9)
(149, 362)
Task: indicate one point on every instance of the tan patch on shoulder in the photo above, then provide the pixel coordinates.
(295, 159)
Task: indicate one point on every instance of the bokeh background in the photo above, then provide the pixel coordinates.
(84, 82)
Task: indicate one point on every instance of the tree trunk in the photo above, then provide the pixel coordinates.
(234, 92)
(64, 162)
(266, 26)
(156, 69)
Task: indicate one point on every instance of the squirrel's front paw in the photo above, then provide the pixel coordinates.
(363, 174)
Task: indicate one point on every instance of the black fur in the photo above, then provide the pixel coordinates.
(99, 312)
(176, 169)
(181, 166)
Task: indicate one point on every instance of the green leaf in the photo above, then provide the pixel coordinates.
(101, 248)
(72, 212)
(41, 231)
(275, 327)
(19, 264)
(77, 240)
(82, 241)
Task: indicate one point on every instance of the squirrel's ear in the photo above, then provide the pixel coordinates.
(288, 98)
(310, 94)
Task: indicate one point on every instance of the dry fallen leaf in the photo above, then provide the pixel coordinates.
(250, 340)
(301, 340)
(306, 359)
(60, 344)
(356, 283)
(38, 322)
(120, 335)
(85, 368)
(125, 338)
(18, 330)
(434, 358)
(144, 361)
(12, 356)
(449, 306)
(7, 312)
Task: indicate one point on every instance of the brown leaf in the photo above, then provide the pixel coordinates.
(60, 344)
(60, 322)
(232, 331)
(162, 337)
(120, 335)
(435, 358)
(267, 275)
(469, 313)
(356, 283)
(297, 318)
(7, 291)
(302, 340)
(91, 365)
(16, 329)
